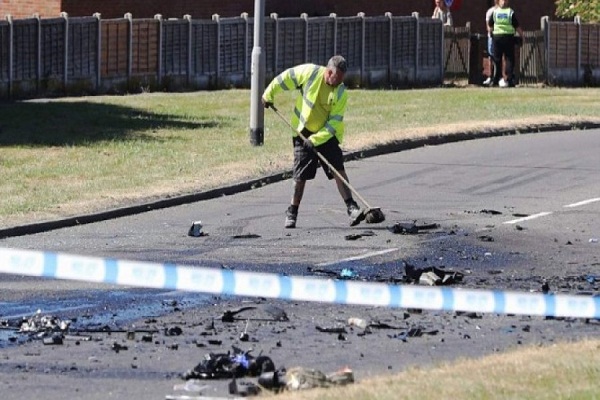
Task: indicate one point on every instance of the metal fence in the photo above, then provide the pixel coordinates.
(58, 56)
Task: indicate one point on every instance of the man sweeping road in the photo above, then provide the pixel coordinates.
(319, 117)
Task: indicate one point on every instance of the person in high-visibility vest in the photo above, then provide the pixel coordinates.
(503, 24)
(319, 116)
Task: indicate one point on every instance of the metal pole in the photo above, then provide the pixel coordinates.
(159, 67)
(217, 19)
(257, 83)
(417, 45)
(363, 73)
(129, 18)
(11, 54)
(98, 52)
(66, 54)
(390, 48)
(546, 31)
(190, 49)
(578, 79)
(38, 56)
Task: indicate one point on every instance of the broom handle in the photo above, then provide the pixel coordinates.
(323, 159)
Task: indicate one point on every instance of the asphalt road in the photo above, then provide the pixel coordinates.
(449, 185)
(512, 211)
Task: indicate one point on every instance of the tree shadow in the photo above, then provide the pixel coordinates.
(41, 123)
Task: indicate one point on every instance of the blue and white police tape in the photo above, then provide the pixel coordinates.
(241, 283)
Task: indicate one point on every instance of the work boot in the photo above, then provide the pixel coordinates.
(290, 218)
(353, 210)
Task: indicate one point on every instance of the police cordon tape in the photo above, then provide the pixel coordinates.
(255, 284)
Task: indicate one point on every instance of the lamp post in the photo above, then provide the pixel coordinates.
(257, 80)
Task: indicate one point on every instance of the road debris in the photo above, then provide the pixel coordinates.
(55, 339)
(356, 236)
(485, 238)
(357, 322)
(333, 329)
(348, 273)
(491, 212)
(246, 236)
(410, 228)
(276, 314)
(44, 323)
(229, 365)
(196, 229)
(431, 276)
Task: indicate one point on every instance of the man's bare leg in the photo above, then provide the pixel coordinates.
(298, 192)
(291, 214)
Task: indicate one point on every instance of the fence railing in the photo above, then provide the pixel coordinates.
(572, 52)
(59, 56)
(89, 54)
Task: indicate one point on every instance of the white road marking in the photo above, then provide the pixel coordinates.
(545, 213)
(582, 203)
(534, 216)
(367, 255)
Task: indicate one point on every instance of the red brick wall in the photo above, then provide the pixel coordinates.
(529, 12)
(199, 9)
(26, 8)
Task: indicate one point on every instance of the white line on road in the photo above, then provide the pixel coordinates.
(534, 216)
(374, 253)
(582, 203)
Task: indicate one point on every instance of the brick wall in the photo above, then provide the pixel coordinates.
(168, 9)
(26, 8)
(528, 11)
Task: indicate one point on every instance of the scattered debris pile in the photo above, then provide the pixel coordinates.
(431, 276)
(410, 228)
(39, 323)
(235, 364)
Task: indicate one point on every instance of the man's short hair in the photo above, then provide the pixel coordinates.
(339, 63)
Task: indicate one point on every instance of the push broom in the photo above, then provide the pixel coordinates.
(372, 215)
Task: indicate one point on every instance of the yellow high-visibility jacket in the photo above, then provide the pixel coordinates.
(503, 24)
(324, 119)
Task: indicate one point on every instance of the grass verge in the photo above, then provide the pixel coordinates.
(560, 371)
(72, 156)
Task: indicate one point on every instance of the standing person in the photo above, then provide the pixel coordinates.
(490, 43)
(504, 24)
(319, 116)
(442, 12)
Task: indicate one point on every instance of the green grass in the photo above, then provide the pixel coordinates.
(560, 371)
(70, 156)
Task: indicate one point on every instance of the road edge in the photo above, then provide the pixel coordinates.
(393, 147)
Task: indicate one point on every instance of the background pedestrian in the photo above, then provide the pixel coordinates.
(504, 24)
(490, 43)
(442, 12)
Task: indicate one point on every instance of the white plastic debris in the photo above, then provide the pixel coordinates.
(358, 322)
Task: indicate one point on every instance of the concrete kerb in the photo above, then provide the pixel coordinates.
(397, 146)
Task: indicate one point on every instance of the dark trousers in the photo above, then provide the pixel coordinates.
(504, 45)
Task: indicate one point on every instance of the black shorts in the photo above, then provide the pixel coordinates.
(306, 161)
